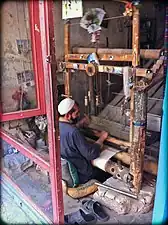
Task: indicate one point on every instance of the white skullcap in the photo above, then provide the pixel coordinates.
(65, 106)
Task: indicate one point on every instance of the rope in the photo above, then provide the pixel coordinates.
(109, 18)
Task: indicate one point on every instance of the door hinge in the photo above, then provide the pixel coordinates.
(48, 59)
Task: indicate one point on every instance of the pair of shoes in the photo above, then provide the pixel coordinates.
(90, 212)
(79, 217)
(95, 208)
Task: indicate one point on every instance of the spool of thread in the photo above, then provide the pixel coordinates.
(86, 100)
(97, 100)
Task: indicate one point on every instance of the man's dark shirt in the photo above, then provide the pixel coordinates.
(77, 150)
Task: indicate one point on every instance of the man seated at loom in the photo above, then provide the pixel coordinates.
(74, 147)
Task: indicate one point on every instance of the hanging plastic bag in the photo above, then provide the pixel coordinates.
(92, 20)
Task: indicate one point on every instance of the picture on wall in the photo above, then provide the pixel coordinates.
(72, 9)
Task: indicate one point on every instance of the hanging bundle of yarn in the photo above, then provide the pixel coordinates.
(91, 21)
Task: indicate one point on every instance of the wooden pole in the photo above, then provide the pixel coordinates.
(139, 137)
(66, 52)
(135, 61)
(105, 52)
(102, 57)
(96, 133)
(138, 113)
(149, 166)
(140, 72)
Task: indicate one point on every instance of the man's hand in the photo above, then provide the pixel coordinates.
(103, 135)
(84, 122)
(102, 138)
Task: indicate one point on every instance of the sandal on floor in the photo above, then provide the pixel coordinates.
(95, 208)
(79, 217)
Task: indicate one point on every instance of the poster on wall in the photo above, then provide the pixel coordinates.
(71, 9)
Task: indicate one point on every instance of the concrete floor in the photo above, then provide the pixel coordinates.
(35, 185)
(72, 205)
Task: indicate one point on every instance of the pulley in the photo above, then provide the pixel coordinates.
(91, 69)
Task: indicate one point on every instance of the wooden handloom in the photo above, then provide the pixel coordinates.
(142, 80)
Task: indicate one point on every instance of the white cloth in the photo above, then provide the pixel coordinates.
(104, 157)
(65, 106)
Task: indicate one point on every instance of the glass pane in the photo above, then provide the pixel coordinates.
(18, 90)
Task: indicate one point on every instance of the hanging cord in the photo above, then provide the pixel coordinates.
(86, 100)
(101, 93)
(109, 18)
(96, 91)
(96, 80)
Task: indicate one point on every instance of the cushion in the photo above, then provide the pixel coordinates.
(69, 173)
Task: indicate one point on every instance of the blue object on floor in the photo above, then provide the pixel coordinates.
(160, 212)
(80, 217)
(14, 161)
(7, 148)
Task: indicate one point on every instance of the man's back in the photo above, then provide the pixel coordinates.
(77, 150)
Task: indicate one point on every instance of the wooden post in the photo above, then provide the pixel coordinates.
(135, 61)
(139, 137)
(66, 52)
(135, 38)
(138, 112)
